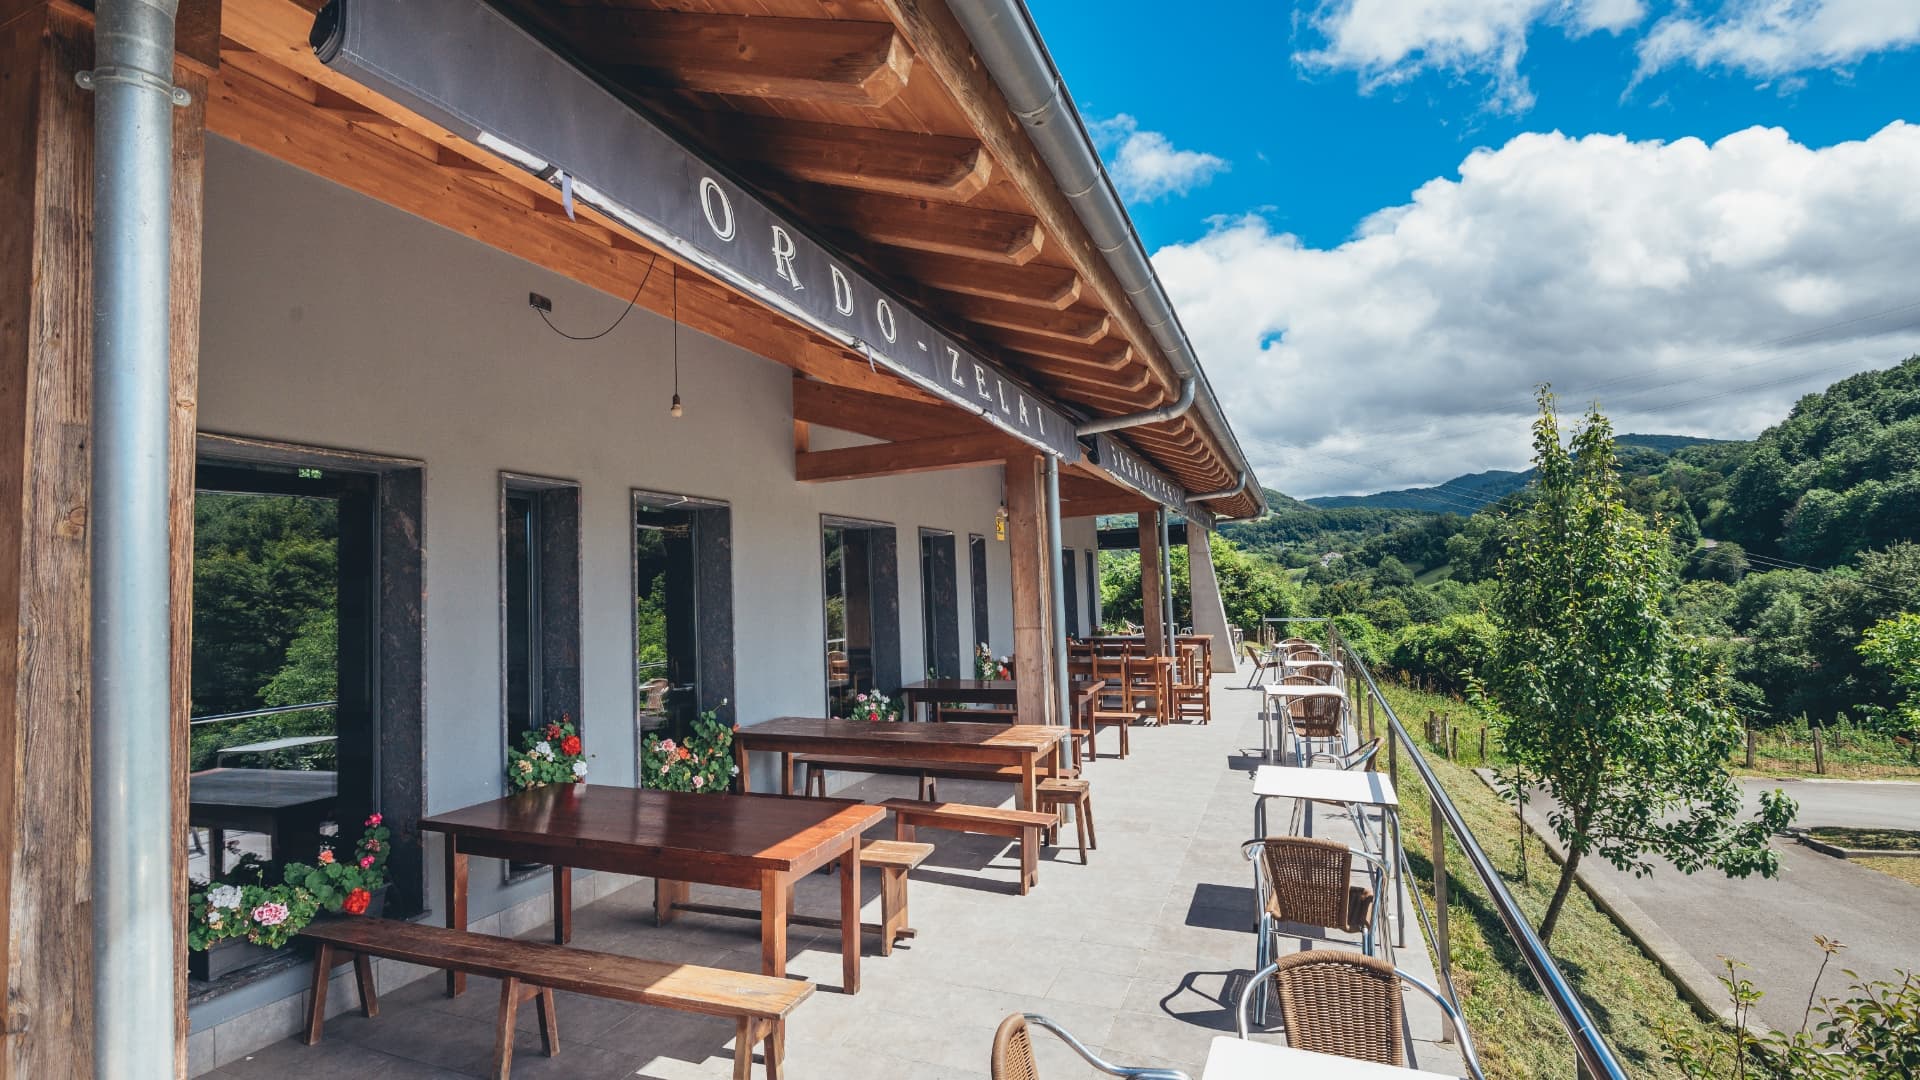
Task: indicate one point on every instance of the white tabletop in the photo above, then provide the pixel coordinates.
(1302, 690)
(1357, 786)
(1308, 662)
(1238, 1059)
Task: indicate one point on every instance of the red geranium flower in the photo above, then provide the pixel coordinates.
(553, 731)
(356, 902)
(683, 753)
(570, 745)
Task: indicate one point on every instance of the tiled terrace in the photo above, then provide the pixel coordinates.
(1141, 954)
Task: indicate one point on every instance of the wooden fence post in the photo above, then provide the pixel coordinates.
(1819, 754)
(1483, 746)
(1749, 746)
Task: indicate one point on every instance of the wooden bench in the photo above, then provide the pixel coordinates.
(819, 765)
(1024, 826)
(758, 1004)
(894, 858)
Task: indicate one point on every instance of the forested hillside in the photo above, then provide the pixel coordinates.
(1788, 549)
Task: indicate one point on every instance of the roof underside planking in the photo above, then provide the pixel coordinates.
(869, 122)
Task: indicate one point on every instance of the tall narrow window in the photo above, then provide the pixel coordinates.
(683, 612)
(861, 579)
(939, 605)
(540, 603)
(1069, 575)
(1093, 592)
(977, 572)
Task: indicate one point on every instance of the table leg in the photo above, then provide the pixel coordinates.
(773, 923)
(456, 905)
(1027, 785)
(740, 762)
(216, 852)
(562, 904)
(665, 895)
(850, 918)
(786, 773)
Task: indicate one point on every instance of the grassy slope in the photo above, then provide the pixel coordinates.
(1516, 1030)
(1907, 870)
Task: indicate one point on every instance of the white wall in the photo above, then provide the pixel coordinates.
(331, 320)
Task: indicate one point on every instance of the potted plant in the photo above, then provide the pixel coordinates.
(353, 886)
(547, 755)
(234, 924)
(874, 707)
(986, 668)
(701, 761)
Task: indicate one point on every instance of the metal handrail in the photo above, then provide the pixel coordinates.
(220, 718)
(1595, 1058)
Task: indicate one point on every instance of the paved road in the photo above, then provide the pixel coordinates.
(1769, 924)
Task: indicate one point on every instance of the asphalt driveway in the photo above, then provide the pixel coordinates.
(1769, 924)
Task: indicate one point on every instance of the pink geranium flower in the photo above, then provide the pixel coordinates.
(270, 914)
(366, 862)
(374, 821)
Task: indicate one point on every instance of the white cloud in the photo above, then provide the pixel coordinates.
(1688, 287)
(1772, 38)
(1146, 166)
(1391, 41)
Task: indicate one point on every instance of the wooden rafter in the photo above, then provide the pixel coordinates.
(839, 60)
(1083, 325)
(877, 416)
(937, 167)
(895, 458)
(1111, 355)
(923, 225)
(1035, 284)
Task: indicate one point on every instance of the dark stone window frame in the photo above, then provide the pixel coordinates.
(713, 596)
(940, 649)
(884, 598)
(398, 693)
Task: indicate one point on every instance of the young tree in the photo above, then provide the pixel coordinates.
(1604, 704)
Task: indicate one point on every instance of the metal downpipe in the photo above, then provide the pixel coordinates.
(132, 838)
(1056, 567)
(1239, 485)
(1160, 415)
(1166, 575)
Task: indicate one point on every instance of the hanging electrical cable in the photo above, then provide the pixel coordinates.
(611, 326)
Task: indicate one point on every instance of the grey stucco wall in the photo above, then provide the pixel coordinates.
(331, 320)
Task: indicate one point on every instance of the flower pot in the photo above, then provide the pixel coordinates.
(227, 957)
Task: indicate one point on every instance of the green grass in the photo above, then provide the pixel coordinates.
(1868, 839)
(1514, 1027)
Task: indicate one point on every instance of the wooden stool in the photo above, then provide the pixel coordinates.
(894, 858)
(1056, 792)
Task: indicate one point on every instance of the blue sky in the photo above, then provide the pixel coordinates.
(1254, 139)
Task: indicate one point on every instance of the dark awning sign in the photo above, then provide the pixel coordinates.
(1120, 462)
(472, 70)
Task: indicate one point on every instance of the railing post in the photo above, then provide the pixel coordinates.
(1372, 732)
(1393, 759)
(1442, 945)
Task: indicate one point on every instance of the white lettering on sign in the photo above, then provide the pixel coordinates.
(710, 190)
(883, 312)
(980, 382)
(954, 355)
(1001, 386)
(783, 253)
(1023, 410)
(842, 291)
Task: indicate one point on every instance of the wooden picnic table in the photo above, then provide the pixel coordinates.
(1027, 747)
(995, 692)
(280, 803)
(760, 842)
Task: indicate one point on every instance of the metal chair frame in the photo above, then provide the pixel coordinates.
(1266, 932)
(1266, 973)
(1078, 1047)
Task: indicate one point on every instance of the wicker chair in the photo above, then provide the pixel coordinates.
(1337, 1002)
(1262, 663)
(1315, 720)
(1013, 1052)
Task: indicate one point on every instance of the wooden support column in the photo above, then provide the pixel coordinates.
(1152, 604)
(46, 336)
(1032, 589)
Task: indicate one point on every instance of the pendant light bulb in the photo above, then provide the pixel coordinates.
(675, 410)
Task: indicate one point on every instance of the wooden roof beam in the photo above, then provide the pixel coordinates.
(913, 456)
(1083, 325)
(938, 167)
(1139, 381)
(837, 60)
(1054, 288)
(877, 416)
(924, 225)
(1113, 356)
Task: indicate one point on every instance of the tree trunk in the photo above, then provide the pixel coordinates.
(1559, 896)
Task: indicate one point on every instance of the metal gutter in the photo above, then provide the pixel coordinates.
(1239, 485)
(132, 623)
(1004, 35)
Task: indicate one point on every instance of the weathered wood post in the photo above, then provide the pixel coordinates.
(1819, 754)
(1749, 746)
(1483, 746)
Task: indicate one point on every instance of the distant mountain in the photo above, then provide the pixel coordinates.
(1465, 494)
